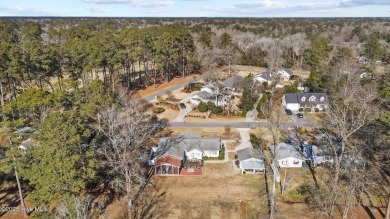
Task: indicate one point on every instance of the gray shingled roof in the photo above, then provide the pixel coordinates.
(291, 98)
(229, 82)
(177, 146)
(266, 75)
(288, 71)
(246, 153)
(297, 97)
(284, 150)
(209, 86)
(206, 96)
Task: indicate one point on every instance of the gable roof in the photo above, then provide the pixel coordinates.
(205, 96)
(246, 153)
(265, 75)
(177, 146)
(231, 81)
(288, 71)
(297, 97)
(284, 150)
(209, 86)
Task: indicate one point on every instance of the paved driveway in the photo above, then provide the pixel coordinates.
(183, 112)
(245, 139)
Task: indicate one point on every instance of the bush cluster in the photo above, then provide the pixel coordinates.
(158, 110)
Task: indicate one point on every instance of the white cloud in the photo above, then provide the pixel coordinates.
(17, 10)
(156, 4)
(100, 9)
(135, 3)
(274, 5)
(366, 2)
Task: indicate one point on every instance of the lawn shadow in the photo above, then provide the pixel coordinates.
(267, 189)
(150, 204)
(313, 173)
(11, 198)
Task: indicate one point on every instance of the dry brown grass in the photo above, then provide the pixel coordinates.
(230, 145)
(216, 194)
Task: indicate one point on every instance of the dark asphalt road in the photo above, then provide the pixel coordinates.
(239, 124)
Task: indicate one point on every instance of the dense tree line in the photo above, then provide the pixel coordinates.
(140, 52)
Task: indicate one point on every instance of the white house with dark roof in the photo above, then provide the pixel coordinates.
(285, 74)
(294, 101)
(264, 77)
(268, 77)
(216, 98)
(287, 156)
(186, 151)
(250, 162)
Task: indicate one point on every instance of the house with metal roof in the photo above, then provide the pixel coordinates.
(287, 156)
(294, 101)
(184, 154)
(250, 162)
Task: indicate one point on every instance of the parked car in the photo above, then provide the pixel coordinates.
(288, 112)
(182, 105)
(300, 115)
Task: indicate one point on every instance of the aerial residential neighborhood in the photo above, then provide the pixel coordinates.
(194, 109)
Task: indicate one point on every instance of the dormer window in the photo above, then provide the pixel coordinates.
(322, 98)
(303, 99)
(312, 98)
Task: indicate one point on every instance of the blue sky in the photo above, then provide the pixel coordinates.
(197, 8)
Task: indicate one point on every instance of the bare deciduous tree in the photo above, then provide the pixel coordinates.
(75, 207)
(125, 132)
(351, 106)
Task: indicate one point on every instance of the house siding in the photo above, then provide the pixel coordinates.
(194, 154)
(290, 162)
(211, 153)
(292, 106)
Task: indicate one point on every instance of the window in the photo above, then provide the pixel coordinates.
(312, 98)
(322, 98)
(212, 152)
(196, 155)
(296, 162)
(284, 162)
(303, 99)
